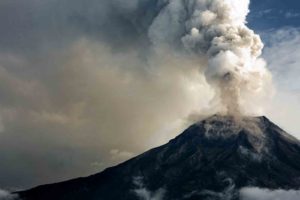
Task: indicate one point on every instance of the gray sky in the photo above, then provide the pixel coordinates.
(81, 89)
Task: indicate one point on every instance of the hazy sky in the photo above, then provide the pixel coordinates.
(81, 89)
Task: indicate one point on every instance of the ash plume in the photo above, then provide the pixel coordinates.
(218, 30)
(229, 52)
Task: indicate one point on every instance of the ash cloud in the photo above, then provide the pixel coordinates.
(228, 51)
(85, 103)
(80, 79)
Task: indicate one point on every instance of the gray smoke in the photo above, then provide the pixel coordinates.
(80, 80)
(228, 51)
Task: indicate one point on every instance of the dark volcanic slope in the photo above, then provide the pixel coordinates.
(212, 159)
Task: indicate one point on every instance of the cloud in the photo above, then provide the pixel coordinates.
(118, 155)
(144, 194)
(282, 54)
(228, 51)
(4, 195)
(263, 13)
(266, 194)
(86, 100)
(290, 15)
(228, 193)
(79, 79)
(2, 128)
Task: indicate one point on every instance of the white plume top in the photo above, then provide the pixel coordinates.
(216, 31)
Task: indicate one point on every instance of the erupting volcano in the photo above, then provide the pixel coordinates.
(220, 70)
(214, 159)
(217, 158)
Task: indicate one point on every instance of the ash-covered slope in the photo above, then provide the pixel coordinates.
(212, 159)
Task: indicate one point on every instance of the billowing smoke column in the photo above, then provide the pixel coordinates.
(216, 31)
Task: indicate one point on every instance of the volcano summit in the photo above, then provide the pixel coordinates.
(212, 160)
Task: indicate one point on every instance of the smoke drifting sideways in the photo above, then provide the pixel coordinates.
(216, 32)
(81, 80)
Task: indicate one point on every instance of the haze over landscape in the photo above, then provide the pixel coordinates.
(85, 85)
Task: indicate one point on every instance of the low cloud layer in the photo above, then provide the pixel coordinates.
(4, 195)
(266, 194)
(144, 194)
